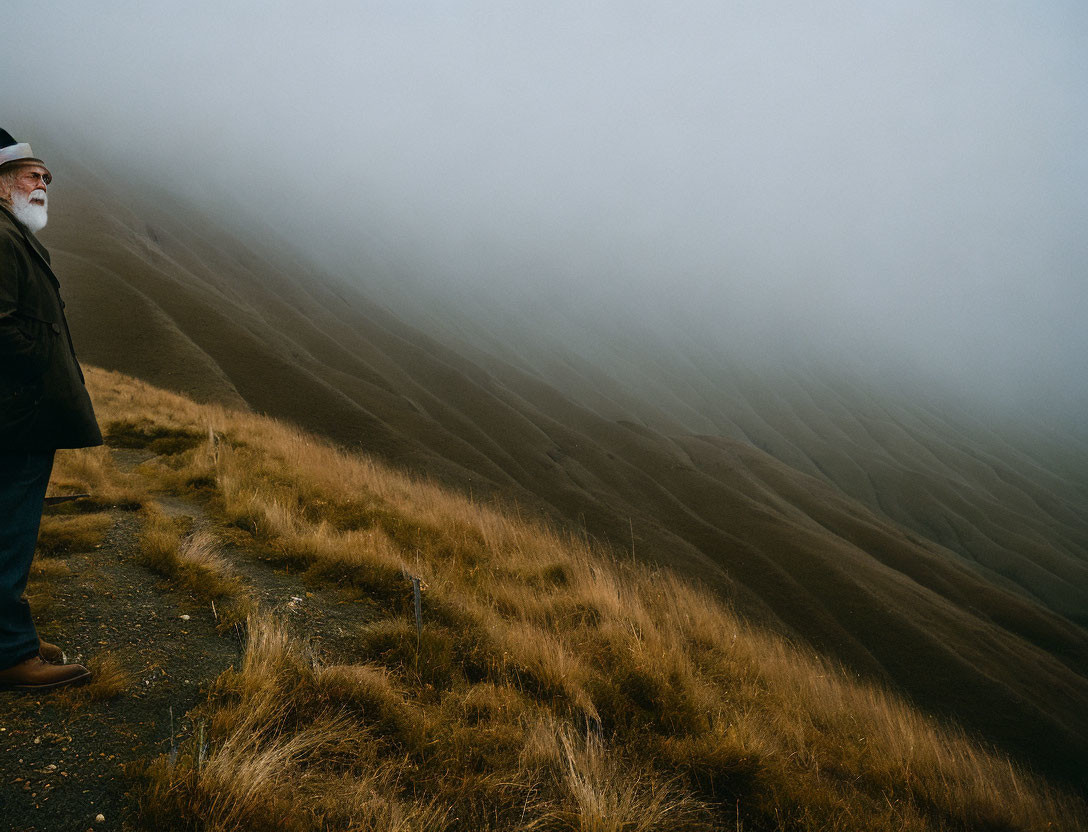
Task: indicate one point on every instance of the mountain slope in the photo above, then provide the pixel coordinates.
(915, 544)
(536, 681)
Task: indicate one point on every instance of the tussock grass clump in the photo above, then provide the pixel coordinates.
(110, 678)
(92, 471)
(293, 746)
(603, 793)
(63, 535)
(49, 568)
(193, 560)
(43, 601)
(551, 687)
(156, 437)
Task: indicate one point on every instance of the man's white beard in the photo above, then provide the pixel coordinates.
(31, 214)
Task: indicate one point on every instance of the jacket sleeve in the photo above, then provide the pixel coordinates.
(21, 344)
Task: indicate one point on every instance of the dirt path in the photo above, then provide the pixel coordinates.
(62, 755)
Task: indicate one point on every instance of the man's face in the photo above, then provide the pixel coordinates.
(27, 194)
(31, 181)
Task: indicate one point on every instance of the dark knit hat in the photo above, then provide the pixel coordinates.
(13, 151)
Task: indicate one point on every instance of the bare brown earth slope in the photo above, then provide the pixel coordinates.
(917, 545)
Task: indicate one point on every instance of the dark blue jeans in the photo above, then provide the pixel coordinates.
(23, 480)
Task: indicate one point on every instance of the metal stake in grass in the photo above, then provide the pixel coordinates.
(201, 747)
(417, 599)
(417, 602)
(173, 742)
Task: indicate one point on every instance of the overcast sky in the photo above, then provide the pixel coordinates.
(910, 176)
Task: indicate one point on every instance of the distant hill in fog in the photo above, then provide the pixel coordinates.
(918, 545)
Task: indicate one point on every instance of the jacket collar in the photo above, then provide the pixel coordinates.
(32, 241)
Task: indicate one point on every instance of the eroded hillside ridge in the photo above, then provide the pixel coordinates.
(917, 546)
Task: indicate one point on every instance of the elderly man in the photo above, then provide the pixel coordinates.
(43, 406)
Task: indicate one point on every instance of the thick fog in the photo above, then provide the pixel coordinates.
(900, 183)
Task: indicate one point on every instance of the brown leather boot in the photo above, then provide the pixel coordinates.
(50, 652)
(34, 674)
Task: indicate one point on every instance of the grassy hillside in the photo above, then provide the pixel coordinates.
(919, 548)
(552, 684)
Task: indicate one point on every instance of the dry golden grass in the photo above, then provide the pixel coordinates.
(49, 568)
(61, 535)
(193, 561)
(258, 771)
(600, 792)
(551, 687)
(92, 471)
(109, 678)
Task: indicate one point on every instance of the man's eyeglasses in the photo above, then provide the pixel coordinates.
(46, 177)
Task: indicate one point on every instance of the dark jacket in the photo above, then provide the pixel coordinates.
(43, 400)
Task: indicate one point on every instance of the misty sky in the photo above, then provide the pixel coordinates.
(905, 178)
